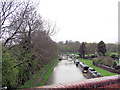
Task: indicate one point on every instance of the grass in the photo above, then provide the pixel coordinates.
(47, 74)
(29, 83)
(100, 70)
(117, 61)
(114, 53)
(89, 54)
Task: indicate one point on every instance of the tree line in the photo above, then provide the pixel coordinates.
(90, 48)
(101, 49)
(26, 41)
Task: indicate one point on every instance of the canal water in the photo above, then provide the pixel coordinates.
(65, 71)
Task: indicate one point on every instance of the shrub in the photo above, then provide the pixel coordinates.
(105, 60)
(97, 61)
(108, 54)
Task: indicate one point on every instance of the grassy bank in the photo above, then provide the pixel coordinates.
(47, 74)
(100, 70)
(114, 53)
(34, 81)
(117, 61)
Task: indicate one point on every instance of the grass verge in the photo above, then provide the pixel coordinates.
(117, 61)
(114, 53)
(100, 70)
(49, 67)
(47, 74)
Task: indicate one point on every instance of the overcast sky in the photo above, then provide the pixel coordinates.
(82, 20)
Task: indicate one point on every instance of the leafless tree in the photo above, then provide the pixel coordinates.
(91, 48)
(13, 14)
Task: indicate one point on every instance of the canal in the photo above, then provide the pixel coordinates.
(65, 71)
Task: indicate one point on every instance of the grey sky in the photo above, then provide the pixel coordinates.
(82, 20)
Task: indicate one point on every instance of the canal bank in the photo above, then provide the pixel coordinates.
(40, 78)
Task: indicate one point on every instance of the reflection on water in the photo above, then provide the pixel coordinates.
(65, 71)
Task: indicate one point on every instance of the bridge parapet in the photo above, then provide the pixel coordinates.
(101, 82)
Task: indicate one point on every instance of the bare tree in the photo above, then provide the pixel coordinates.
(91, 48)
(13, 14)
(7, 9)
